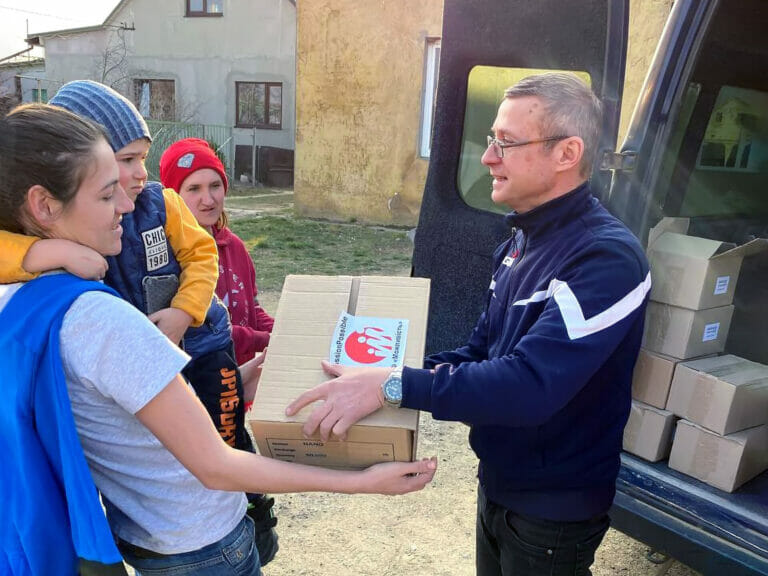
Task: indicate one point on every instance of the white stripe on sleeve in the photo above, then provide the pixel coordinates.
(573, 317)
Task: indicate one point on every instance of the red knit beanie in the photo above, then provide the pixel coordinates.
(186, 156)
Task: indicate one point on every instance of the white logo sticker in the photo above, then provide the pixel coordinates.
(155, 248)
(721, 284)
(710, 332)
(508, 261)
(186, 160)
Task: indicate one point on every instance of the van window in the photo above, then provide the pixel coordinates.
(714, 167)
(729, 174)
(485, 91)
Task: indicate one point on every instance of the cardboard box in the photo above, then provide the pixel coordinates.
(695, 273)
(652, 377)
(683, 333)
(649, 431)
(306, 316)
(724, 394)
(725, 462)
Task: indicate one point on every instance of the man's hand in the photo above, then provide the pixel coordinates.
(172, 322)
(250, 372)
(53, 253)
(352, 396)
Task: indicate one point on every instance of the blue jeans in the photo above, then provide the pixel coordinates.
(233, 555)
(512, 545)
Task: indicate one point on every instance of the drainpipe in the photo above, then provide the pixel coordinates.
(253, 157)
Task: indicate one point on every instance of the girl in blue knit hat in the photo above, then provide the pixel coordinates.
(93, 395)
(168, 269)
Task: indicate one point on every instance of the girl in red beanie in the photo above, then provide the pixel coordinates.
(192, 168)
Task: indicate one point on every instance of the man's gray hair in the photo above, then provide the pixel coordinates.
(570, 109)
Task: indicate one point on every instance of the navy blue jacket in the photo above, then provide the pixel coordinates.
(147, 252)
(51, 513)
(545, 379)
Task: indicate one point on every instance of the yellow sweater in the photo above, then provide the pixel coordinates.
(194, 249)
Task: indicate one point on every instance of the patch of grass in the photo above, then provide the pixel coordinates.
(280, 246)
(241, 190)
(266, 200)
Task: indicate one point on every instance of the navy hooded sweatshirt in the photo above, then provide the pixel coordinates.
(545, 379)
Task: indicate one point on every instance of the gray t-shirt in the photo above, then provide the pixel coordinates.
(115, 362)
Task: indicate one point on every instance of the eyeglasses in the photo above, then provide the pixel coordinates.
(499, 145)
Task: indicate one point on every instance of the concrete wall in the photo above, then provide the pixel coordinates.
(75, 56)
(30, 73)
(253, 41)
(646, 22)
(359, 89)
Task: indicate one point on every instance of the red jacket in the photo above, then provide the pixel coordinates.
(251, 325)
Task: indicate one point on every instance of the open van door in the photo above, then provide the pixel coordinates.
(699, 143)
(487, 46)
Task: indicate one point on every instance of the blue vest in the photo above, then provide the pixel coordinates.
(51, 513)
(147, 252)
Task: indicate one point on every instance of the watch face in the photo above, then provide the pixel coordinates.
(393, 389)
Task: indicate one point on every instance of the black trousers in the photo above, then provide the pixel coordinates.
(91, 568)
(216, 380)
(512, 545)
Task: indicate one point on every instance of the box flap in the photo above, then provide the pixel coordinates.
(677, 225)
(739, 437)
(688, 246)
(732, 370)
(751, 247)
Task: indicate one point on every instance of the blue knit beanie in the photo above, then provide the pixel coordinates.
(121, 120)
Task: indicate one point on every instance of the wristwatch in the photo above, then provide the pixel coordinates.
(392, 388)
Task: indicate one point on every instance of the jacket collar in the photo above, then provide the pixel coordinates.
(223, 236)
(554, 214)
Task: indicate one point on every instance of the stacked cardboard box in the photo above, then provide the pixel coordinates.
(723, 439)
(304, 325)
(648, 432)
(650, 427)
(694, 280)
(688, 317)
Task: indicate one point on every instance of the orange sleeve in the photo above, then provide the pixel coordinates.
(196, 253)
(13, 250)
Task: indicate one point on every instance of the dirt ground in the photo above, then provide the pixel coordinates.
(428, 533)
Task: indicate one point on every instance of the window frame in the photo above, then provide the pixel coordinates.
(137, 82)
(204, 13)
(259, 125)
(432, 50)
(40, 95)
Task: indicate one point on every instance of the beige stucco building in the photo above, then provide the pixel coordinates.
(360, 78)
(363, 79)
(646, 22)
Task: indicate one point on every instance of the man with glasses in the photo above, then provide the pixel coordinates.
(545, 378)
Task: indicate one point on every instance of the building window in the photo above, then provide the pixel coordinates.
(733, 139)
(259, 105)
(40, 95)
(205, 8)
(431, 67)
(155, 99)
